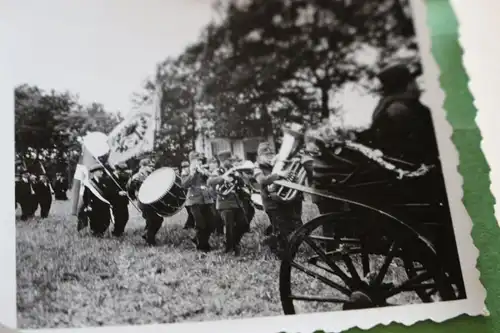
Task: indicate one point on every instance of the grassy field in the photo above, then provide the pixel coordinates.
(70, 279)
(66, 279)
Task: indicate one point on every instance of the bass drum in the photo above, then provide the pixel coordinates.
(162, 192)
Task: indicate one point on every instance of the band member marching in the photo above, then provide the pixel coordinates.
(60, 187)
(25, 195)
(285, 216)
(96, 203)
(213, 168)
(199, 201)
(153, 220)
(229, 206)
(190, 219)
(43, 194)
(119, 200)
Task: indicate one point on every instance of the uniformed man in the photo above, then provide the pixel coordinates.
(60, 187)
(285, 216)
(190, 219)
(218, 223)
(43, 194)
(98, 211)
(153, 220)
(229, 206)
(25, 195)
(119, 199)
(199, 201)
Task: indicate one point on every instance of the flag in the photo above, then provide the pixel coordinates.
(81, 180)
(135, 135)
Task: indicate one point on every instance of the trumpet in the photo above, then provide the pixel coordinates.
(286, 161)
(236, 172)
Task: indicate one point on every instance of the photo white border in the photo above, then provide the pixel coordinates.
(330, 322)
(480, 59)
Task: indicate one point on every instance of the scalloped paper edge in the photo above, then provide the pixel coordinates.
(339, 321)
(479, 58)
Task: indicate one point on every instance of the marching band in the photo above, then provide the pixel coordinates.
(218, 193)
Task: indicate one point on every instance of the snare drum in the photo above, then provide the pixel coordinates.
(257, 201)
(162, 191)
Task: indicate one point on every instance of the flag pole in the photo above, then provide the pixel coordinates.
(106, 170)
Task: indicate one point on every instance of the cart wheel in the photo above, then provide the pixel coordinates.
(366, 268)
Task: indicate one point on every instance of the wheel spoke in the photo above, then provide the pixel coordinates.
(313, 274)
(350, 267)
(385, 266)
(365, 260)
(327, 261)
(331, 239)
(318, 299)
(407, 284)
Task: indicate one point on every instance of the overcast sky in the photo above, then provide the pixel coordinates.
(101, 49)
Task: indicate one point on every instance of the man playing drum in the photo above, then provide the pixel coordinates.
(153, 220)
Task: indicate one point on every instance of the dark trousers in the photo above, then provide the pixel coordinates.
(203, 223)
(249, 212)
(153, 224)
(284, 221)
(83, 218)
(29, 205)
(218, 223)
(60, 195)
(99, 218)
(45, 203)
(190, 220)
(121, 216)
(236, 226)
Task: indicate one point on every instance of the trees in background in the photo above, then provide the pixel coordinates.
(48, 124)
(264, 62)
(270, 61)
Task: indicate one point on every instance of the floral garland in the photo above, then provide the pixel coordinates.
(338, 137)
(378, 157)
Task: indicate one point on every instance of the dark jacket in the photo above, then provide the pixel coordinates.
(43, 191)
(402, 128)
(115, 197)
(230, 201)
(271, 201)
(198, 192)
(25, 191)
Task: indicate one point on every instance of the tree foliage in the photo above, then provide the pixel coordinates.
(48, 124)
(271, 61)
(264, 62)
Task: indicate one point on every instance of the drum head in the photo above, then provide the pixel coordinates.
(156, 185)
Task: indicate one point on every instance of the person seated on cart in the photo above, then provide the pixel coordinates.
(402, 126)
(285, 216)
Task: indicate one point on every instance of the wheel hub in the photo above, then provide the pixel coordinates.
(359, 300)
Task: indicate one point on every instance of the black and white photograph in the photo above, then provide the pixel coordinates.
(285, 163)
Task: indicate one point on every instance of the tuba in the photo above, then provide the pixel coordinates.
(287, 160)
